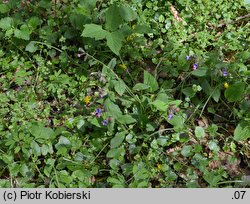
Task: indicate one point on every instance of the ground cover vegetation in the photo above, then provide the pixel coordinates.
(139, 93)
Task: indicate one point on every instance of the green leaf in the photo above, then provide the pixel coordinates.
(41, 132)
(94, 31)
(119, 86)
(200, 72)
(160, 105)
(150, 81)
(6, 23)
(113, 18)
(127, 13)
(116, 152)
(112, 108)
(186, 150)
(140, 87)
(31, 47)
(126, 119)
(199, 132)
(216, 94)
(114, 41)
(4, 8)
(117, 140)
(235, 91)
(22, 33)
(177, 121)
(242, 132)
(188, 91)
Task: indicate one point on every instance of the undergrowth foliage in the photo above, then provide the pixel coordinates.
(120, 93)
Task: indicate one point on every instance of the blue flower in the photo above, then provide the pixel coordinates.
(98, 112)
(224, 72)
(188, 57)
(105, 122)
(195, 66)
(170, 116)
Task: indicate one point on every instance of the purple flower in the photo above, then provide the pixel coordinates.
(105, 122)
(195, 66)
(224, 72)
(188, 57)
(170, 116)
(98, 112)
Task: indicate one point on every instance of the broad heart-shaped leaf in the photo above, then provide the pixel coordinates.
(6, 23)
(119, 86)
(151, 81)
(113, 18)
(22, 33)
(127, 13)
(235, 91)
(94, 31)
(242, 132)
(126, 119)
(117, 140)
(114, 41)
(112, 108)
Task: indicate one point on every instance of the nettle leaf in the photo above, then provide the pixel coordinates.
(22, 33)
(114, 41)
(117, 140)
(6, 23)
(113, 18)
(150, 81)
(242, 132)
(94, 31)
(127, 13)
(235, 91)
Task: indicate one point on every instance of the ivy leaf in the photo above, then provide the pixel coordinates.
(94, 31)
(114, 41)
(22, 33)
(234, 92)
